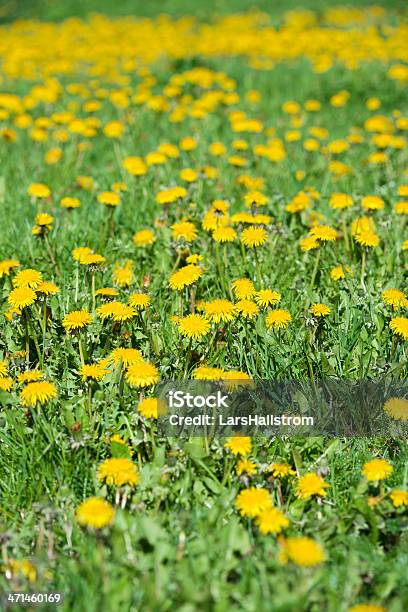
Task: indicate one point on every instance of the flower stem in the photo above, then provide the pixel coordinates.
(51, 254)
(219, 266)
(316, 266)
(81, 352)
(44, 331)
(188, 358)
(93, 292)
(258, 269)
(363, 265)
(345, 232)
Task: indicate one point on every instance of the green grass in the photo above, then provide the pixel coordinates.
(180, 543)
(56, 9)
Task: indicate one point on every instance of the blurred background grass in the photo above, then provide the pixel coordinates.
(60, 9)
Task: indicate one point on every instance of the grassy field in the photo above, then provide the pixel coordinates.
(55, 10)
(214, 199)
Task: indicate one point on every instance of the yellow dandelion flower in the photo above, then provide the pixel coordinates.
(44, 220)
(362, 225)
(377, 469)
(255, 198)
(367, 607)
(247, 309)
(69, 202)
(401, 208)
(117, 311)
(119, 186)
(92, 259)
(152, 407)
(38, 392)
(139, 301)
(24, 568)
(168, 196)
(267, 297)
(85, 182)
(107, 292)
(325, 233)
(155, 158)
(235, 379)
(378, 157)
(193, 326)
(207, 373)
(239, 445)
(278, 319)
(254, 236)
(281, 470)
(213, 219)
(80, 252)
(395, 298)
(251, 502)
(399, 498)
(372, 203)
(21, 298)
(217, 149)
(30, 376)
(301, 551)
(311, 484)
(123, 276)
(220, 206)
(397, 408)
(113, 129)
(39, 190)
(47, 288)
(271, 520)
(245, 466)
(3, 368)
(94, 371)
(28, 278)
(194, 258)
(309, 243)
(141, 374)
(109, 198)
(185, 276)
(219, 311)
(340, 201)
(77, 319)
(320, 310)
(6, 265)
(337, 273)
(185, 230)
(144, 238)
(118, 472)
(291, 107)
(170, 150)
(6, 383)
(301, 201)
(243, 288)
(399, 326)
(135, 165)
(189, 175)
(338, 146)
(224, 234)
(188, 143)
(124, 356)
(95, 512)
(367, 239)
(312, 106)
